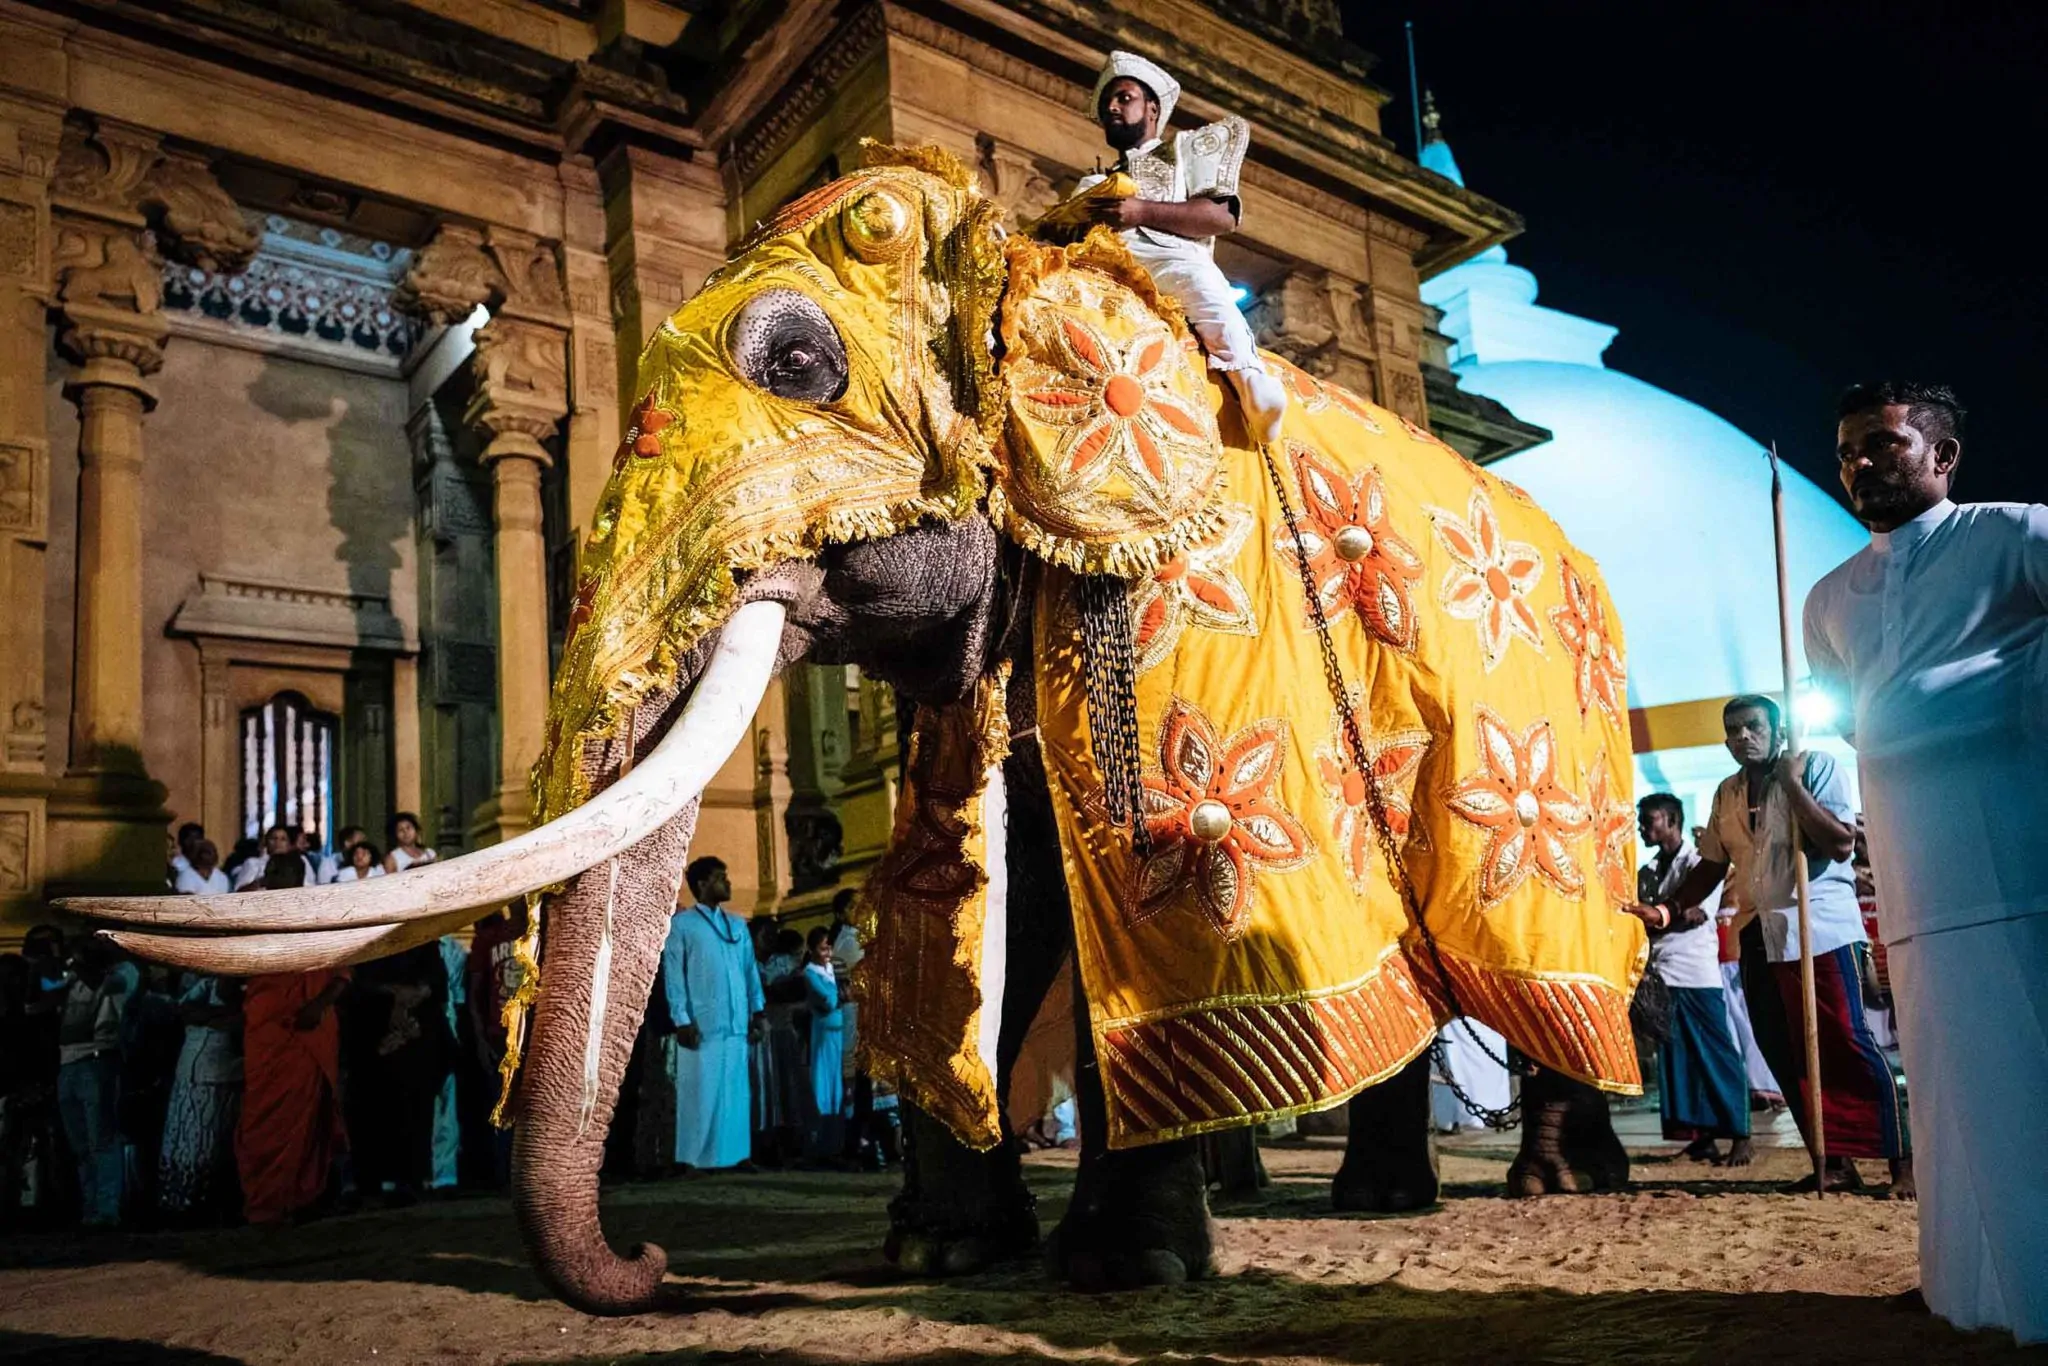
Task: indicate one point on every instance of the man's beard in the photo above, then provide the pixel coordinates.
(1879, 500)
(1123, 136)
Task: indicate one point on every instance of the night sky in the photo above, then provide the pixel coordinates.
(1771, 201)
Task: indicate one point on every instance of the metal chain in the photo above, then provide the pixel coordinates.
(1109, 671)
(1390, 853)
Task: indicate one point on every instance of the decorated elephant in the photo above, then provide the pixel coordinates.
(1273, 758)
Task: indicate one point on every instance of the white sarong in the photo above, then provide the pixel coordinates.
(1972, 1012)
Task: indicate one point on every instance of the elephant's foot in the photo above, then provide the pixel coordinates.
(960, 1211)
(1568, 1141)
(1139, 1217)
(1389, 1155)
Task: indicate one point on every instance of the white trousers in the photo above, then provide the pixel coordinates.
(1191, 278)
(1972, 1012)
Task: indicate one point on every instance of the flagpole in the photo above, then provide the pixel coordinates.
(1809, 1011)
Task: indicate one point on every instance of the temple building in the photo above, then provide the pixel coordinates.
(1673, 501)
(318, 325)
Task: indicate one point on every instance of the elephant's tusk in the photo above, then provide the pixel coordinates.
(246, 955)
(713, 722)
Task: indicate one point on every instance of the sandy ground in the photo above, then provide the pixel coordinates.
(1693, 1265)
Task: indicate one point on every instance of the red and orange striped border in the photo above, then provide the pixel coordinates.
(1221, 1065)
(1574, 1025)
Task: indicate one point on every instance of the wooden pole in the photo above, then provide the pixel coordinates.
(1809, 1011)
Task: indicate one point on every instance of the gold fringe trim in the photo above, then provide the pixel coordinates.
(918, 1034)
(1131, 558)
(930, 158)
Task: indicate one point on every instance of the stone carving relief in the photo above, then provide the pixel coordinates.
(522, 382)
(1013, 178)
(1295, 318)
(101, 165)
(15, 874)
(17, 239)
(26, 737)
(1405, 395)
(201, 225)
(451, 276)
(21, 479)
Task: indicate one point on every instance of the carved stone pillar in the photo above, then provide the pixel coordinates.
(117, 196)
(110, 300)
(520, 402)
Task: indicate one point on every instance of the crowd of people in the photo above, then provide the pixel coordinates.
(746, 1052)
(132, 1093)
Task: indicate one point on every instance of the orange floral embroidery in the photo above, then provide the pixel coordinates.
(1378, 584)
(1197, 588)
(643, 432)
(1118, 407)
(1530, 818)
(1581, 624)
(1614, 830)
(1396, 759)
(1491, 577)
(1233, 783)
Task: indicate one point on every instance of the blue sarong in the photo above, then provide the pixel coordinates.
(1703, 1085)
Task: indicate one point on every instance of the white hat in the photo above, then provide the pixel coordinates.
(1150, 74)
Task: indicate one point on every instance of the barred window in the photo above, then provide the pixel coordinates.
(288, 767)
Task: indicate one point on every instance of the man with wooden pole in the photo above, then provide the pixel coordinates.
(1816, 1134)
(1784, 824)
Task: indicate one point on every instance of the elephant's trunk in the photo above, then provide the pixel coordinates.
(564, 1110)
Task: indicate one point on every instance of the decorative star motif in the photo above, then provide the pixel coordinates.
(1118, 407)
(1198, 589)
(1614, 829)
(1233, 782)
(1378, 584)
(1582, 625)
(1530, 818)
(1490, 578)
(1395, 760)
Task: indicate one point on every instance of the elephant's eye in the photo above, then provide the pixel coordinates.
(783, 342)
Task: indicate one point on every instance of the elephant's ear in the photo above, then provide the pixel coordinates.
(1109, 458)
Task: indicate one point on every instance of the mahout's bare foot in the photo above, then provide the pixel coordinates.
(1842, 1176)
(1740, 1154)
(1902, 1187)
(1702, 1150)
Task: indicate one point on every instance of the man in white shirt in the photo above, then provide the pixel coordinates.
(1936, 636)
(1702, 1087)
(202, 872)
(1750, 831)
(712, 986)
(1187, 197)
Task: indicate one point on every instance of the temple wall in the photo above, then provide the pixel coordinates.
(262, 469)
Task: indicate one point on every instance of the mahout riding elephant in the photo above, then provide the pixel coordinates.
(1272, 759)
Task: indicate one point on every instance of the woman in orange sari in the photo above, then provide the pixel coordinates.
(290, 1130)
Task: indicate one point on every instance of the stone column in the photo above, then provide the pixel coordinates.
(519, 405)
(118, 349)
(29, 130)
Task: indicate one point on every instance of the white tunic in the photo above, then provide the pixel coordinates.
(190, 883)
(1937, 636)
(1683, 958)
(709, 979)
(1185, 267)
